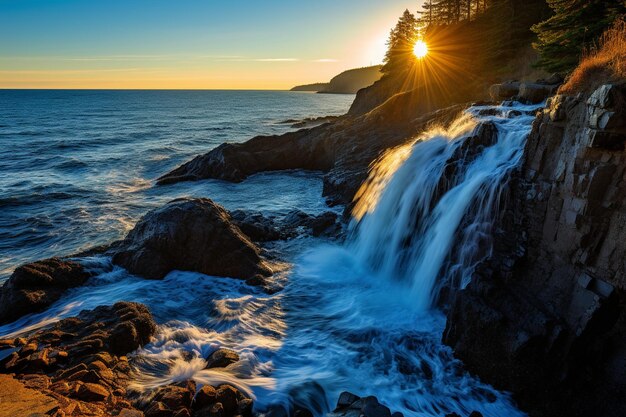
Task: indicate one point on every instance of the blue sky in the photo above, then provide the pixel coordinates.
(188, 43)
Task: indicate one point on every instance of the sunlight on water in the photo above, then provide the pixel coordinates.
(357, 316)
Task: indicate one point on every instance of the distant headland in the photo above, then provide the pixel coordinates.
(348, 82)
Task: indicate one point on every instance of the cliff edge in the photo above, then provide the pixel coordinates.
(544, 315)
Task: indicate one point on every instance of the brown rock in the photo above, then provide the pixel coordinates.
(158, 409)
(17, 400)
(221, 358)
(206, 396)
(128, 412)
(92, 392)
(228, 396)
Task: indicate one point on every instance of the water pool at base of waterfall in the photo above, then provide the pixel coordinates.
(353, 316)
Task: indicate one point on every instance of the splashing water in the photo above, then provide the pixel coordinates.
(354, 317)
(442, 198)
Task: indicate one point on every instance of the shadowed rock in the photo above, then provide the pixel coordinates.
(33, 287)
(544, 315)
(343, 149)
(190, 235)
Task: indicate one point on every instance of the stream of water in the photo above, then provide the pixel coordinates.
(354, 316)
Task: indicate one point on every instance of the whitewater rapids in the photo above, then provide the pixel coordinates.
(360, 316)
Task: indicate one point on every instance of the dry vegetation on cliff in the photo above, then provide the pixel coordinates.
(603, 64)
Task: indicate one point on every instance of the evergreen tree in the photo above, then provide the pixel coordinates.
(575, 25)
(400, 45)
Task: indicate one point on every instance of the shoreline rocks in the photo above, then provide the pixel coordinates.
(35, 286)
(190, 235)
(80, 361)
(343, 149)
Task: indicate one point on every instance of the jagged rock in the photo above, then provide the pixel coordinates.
(92, 392)
(33, 287)
(221, 358)
(77, 360)
(544, 315)
(256, 226)
(191, 235)
(172, 400)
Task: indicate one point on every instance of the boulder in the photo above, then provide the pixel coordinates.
(221, 358)
(205, 397)
(191, 235)
(256, 226)
(504, 91)
(35, 286)
(536, 93)
(350, 405)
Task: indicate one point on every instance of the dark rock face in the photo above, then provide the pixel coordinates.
(191, 235)
(350, 405)
(261, 228)
(35, 286)
(544, 315)
(79, 361)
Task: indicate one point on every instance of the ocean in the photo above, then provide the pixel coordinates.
(78, 170)
(77, 167)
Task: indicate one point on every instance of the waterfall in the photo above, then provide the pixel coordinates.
(426, 211)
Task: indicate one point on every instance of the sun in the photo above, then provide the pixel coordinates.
(420, 49)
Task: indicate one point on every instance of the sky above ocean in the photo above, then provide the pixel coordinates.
(189, 44)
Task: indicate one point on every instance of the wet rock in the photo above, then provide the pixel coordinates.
(229, 397)
(295, 223)
(77, 359)
(544, 315)
(256, 226)
(174, 398)
(221, 358)
(191, 235)
(351, 405)
(205, 397)
(35, 286)
(316, 225)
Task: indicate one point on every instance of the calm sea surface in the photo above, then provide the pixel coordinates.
(77, 167)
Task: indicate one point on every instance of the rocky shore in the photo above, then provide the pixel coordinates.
(542, 317)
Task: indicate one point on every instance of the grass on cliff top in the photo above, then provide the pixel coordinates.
(603, 64)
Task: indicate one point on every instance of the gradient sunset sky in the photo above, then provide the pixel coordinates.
(189, 44)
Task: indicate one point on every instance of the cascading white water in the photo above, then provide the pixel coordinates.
(429, 216)
(352, 317)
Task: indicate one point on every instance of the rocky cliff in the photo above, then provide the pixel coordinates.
(543, 315)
